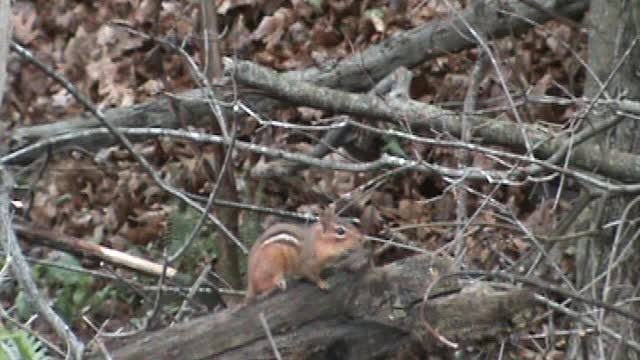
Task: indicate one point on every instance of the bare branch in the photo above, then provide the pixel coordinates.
(126, 143)
(22, 272)
(5, 38)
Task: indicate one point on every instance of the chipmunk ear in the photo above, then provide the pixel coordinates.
(327, 217)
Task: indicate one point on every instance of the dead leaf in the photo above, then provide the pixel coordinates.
(24, 21)
(272, 28)
(542, 220)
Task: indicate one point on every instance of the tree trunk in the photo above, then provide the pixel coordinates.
(613, 53)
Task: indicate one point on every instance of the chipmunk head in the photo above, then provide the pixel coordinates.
(335, 236)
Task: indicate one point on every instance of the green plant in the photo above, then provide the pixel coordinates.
(18, 345)
(181, 224)
(73, 292)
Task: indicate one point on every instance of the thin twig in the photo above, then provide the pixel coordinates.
(193, 291)
(425, 322)
(385, 161)
(124, 141)
(199, 77)
(501, 79)
(22, 272)
(210, 200)
(584, 319)
(465, 160)
(155, 310)
(614, 249)
(546, 287)
(265, 326)
(96, 338)
(602, 126)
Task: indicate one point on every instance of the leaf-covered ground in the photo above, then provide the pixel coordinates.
(103, 197)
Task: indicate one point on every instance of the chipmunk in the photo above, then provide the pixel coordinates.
(286, 249)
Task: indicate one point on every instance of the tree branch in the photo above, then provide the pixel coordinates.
(379, 304)
(22, 272)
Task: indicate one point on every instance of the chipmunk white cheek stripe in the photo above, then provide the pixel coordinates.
(282, 237)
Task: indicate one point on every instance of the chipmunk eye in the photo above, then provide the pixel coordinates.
(340, 230)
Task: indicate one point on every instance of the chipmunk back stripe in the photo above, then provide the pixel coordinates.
(282, 237)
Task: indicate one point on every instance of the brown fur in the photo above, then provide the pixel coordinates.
(286, 250)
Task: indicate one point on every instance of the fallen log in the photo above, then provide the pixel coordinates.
(370, 313)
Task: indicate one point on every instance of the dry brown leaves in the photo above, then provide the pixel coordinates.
(105, 197)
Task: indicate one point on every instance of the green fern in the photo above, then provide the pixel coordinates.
(19, 344)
